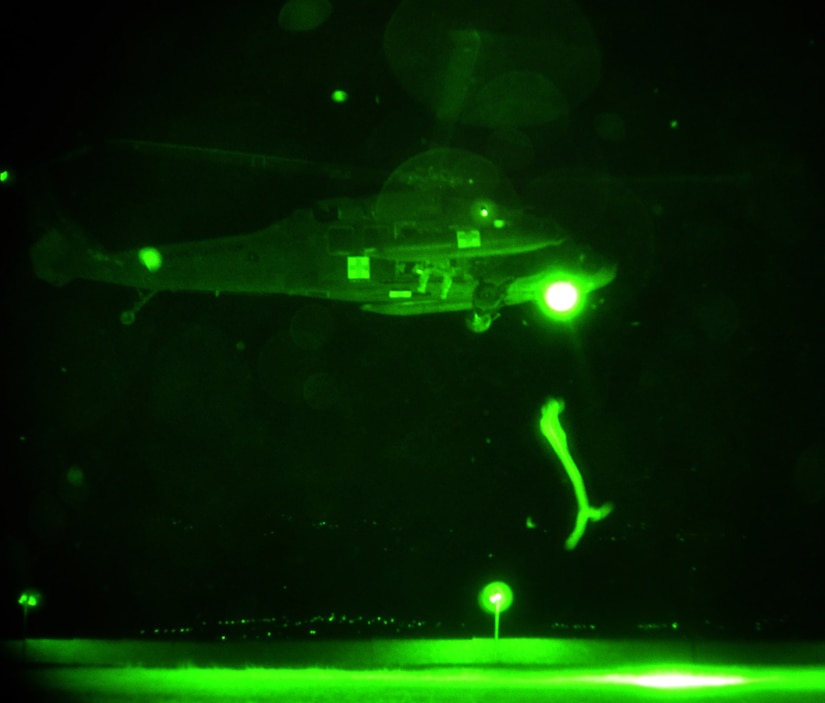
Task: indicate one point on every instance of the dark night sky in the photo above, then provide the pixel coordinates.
(270, 458)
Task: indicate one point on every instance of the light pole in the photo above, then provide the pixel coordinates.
(495, 598)
(28, 599)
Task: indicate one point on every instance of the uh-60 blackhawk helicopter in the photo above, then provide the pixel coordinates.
(444, 235)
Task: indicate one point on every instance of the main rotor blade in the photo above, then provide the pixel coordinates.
(241, 158)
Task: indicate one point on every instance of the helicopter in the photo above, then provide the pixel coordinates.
(446, 234)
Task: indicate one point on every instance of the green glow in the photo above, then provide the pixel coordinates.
(485, 210)
(554, 433)
(304, 15)
(459, 684)
(561, 296)
(455, 670)
(339, 96)
(674, 124)
(7, 177)
(75, 476)
(28, 600)
(674, 680)
(358, 268)
(495, 598)
(151, 258)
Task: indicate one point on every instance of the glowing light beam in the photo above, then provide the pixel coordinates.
(554, 433)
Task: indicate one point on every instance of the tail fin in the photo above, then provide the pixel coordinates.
(59, 255)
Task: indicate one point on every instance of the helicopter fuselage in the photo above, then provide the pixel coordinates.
(340, 251)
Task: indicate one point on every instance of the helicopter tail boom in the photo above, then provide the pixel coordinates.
(58, 256)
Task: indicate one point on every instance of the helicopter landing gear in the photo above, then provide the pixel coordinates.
(488, 298)
(127, 317)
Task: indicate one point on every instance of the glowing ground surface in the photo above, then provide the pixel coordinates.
(411, 671)
(321, 685)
